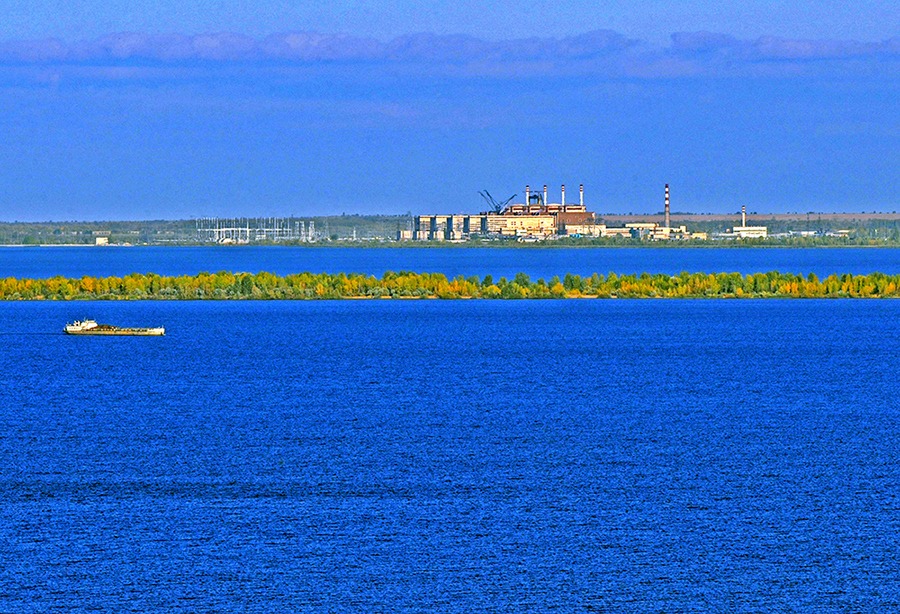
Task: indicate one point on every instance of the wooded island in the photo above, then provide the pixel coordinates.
(226, 285)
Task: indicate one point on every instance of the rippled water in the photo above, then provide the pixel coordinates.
(452, 261)
(456, 456)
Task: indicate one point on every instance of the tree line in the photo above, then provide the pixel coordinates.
(226, 285)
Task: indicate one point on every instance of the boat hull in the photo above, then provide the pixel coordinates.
(121, 332)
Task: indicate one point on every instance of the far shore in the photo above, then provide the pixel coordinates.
(454, 245)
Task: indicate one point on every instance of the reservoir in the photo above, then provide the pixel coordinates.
(452, 456)
(537, 262)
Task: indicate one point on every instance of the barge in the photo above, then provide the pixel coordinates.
(90, 327)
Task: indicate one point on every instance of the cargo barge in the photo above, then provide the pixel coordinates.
(90, 327)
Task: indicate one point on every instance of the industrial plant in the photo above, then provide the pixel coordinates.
(746, 232)
(538, 219)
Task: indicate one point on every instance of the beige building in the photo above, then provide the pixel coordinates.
(749, 232)
(460, 227)
(616, 231)
(521, 225)
(536, 218)
(655, 232)
(585, 230)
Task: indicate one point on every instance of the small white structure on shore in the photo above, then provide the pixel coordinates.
(749, 232)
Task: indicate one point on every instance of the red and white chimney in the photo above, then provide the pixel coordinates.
(667, 206)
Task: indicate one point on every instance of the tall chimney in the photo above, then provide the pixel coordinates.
(667, 206)
(581, 194)
(545, 194)
(743, 215)
(527, 195)
(563, 201)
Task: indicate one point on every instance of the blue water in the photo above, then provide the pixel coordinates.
(452, 456)
(537, 263)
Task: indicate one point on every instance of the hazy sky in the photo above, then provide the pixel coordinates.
(140, 109)
(499, 19)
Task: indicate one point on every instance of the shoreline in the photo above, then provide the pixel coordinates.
(488, 245)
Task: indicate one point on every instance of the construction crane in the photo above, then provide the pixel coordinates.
(494, 205)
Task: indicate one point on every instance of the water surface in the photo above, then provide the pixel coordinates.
(457, 456)
(452, 261)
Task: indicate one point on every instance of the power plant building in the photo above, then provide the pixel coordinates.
(534, 218)
(749, 232)
(537, 219)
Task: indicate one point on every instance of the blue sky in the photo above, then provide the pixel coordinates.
(119, 110)
(500, 19)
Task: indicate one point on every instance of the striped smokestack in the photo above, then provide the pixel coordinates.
(581, 194)
(545, 194)
(527, 194)
(743, 215)
(563, 198)
(667, 206)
